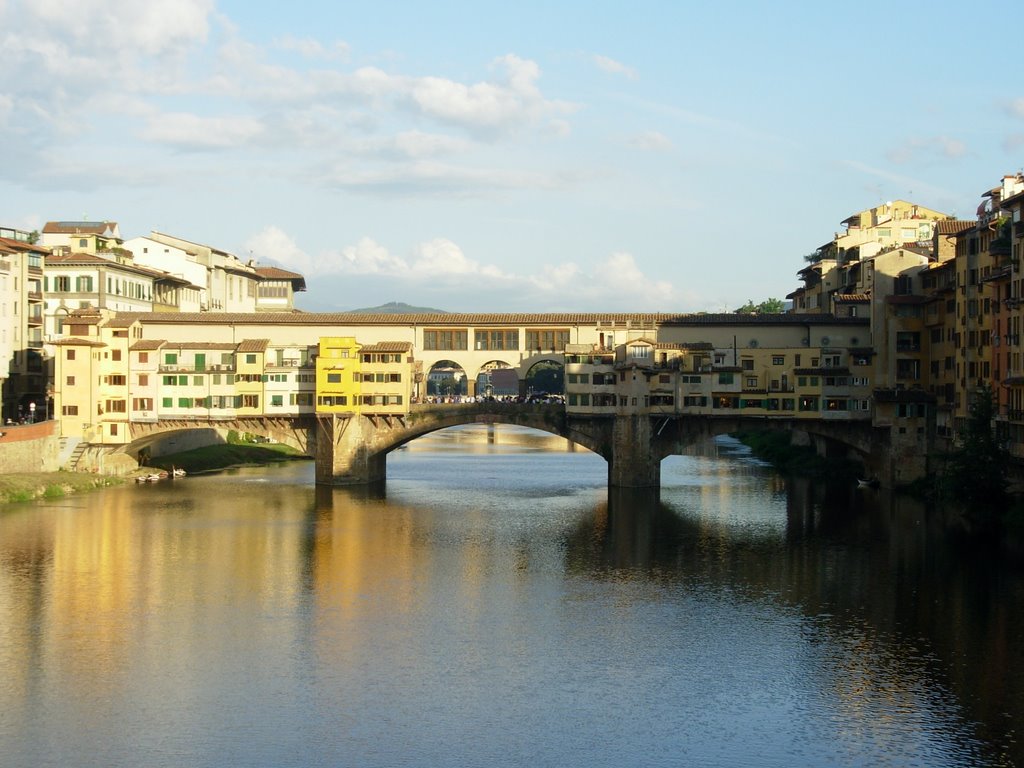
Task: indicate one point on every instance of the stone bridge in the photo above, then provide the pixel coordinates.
(353, 449)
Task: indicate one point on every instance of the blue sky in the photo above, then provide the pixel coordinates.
(529, 156)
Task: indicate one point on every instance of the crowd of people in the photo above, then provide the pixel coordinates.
(535, 398)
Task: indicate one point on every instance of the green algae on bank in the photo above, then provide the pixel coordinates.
(29, 486)
(211, 458)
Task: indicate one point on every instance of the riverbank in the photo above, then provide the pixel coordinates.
(212, 458)
(776, 448)
(28, 486)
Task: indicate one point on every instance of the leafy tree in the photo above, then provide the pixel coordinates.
(766, 307)
(976, 472)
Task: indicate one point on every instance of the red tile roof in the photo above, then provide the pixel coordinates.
(387, 346)
(253, 345)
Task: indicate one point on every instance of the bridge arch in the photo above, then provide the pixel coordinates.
(354, 449)
(296, 432)
(849, 439)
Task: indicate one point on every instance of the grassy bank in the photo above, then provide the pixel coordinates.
(776, 449)
(213, 457)
(27, 486)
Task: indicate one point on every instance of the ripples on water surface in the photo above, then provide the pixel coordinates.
(496, 606)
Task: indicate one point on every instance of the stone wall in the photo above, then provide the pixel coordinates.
(29, 448)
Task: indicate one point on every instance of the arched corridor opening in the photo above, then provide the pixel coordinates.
(446, 379)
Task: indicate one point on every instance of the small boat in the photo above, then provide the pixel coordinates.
(154, 477)
(177, 472)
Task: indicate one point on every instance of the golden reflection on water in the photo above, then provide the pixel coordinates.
(99, 591)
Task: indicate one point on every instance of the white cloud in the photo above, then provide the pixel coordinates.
(153, 29)
(614, 67)
(440, 266)
(441, 257)
(615, 281)
(274, 245)
(195, 132)
(369, 257)
(500, 105)
(314, 49)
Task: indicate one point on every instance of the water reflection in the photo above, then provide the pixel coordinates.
(500, 605)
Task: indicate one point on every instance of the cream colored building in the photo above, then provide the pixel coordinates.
(23, 359)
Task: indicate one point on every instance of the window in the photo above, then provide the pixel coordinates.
(748, 363)
(250, 401)
(725, 377)
(334, 378)
(751, 381)
(332, 400)
(167, 402)
(143, 357)
(70, 381)
(250, 359)
(142, 404)
(641, 351)
(83, 284)
(197, 381)
(908, 369)
(69, 410)
(496, 340)
(61, 284)
(277, 400)
(778, 359)
(143, 379)
(116, 406)
(437, 339)
(115, 354)
(70, 355)
(909, 341)
(184, 402)
(553, 339)
(170, 359)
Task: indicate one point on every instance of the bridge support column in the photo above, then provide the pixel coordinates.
(633, 463)
(345, 452)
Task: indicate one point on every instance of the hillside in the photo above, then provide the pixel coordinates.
(394, 308)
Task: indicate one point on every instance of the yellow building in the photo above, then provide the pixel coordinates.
(250, 375)
(387, 378)
(337, 375)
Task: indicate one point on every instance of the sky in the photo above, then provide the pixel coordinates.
(503, 157)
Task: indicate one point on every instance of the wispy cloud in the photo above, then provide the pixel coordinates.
(611, 66)
(652, 141)
(926, 148)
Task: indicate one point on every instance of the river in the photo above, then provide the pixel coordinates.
(494, 605)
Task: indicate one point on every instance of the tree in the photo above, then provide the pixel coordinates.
(766, 307)
(977, 470)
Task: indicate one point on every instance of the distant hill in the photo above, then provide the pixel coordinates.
(394, 308)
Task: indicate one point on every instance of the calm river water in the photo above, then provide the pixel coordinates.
(494, 606)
